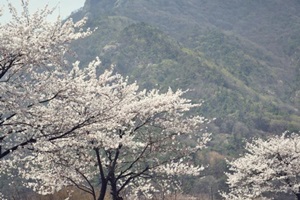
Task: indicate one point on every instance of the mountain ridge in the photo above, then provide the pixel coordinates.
(230, 47)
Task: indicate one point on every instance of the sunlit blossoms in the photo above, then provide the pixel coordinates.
(103, 126)
(31, 59)
(29, 40)
(269, 166)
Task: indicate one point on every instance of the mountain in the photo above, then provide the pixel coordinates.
(240, 57)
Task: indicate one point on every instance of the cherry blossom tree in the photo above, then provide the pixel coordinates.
(269, 166)
(31, 57)
(127, 139)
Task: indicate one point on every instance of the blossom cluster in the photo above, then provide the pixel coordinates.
(270, 165)
(108, 113)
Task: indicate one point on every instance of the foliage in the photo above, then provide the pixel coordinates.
(162, 51)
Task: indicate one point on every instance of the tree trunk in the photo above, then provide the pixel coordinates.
(112, 177)
(114, 189)
(103, 190)
(298, 196)
(104, 180)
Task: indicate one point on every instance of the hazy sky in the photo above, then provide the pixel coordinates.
(64, 7)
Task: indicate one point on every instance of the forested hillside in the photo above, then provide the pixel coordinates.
(240, 57)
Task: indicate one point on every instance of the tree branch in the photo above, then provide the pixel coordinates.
(14, 148)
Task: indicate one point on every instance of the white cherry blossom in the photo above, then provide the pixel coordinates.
(269, 166)
(31, 59)
(104, 122)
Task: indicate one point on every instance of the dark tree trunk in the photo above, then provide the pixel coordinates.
(112, 177)
(298, 196)
(104, 180)
(114, 189)
(103, 190)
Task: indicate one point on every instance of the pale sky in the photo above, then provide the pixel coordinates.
(64, 7)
